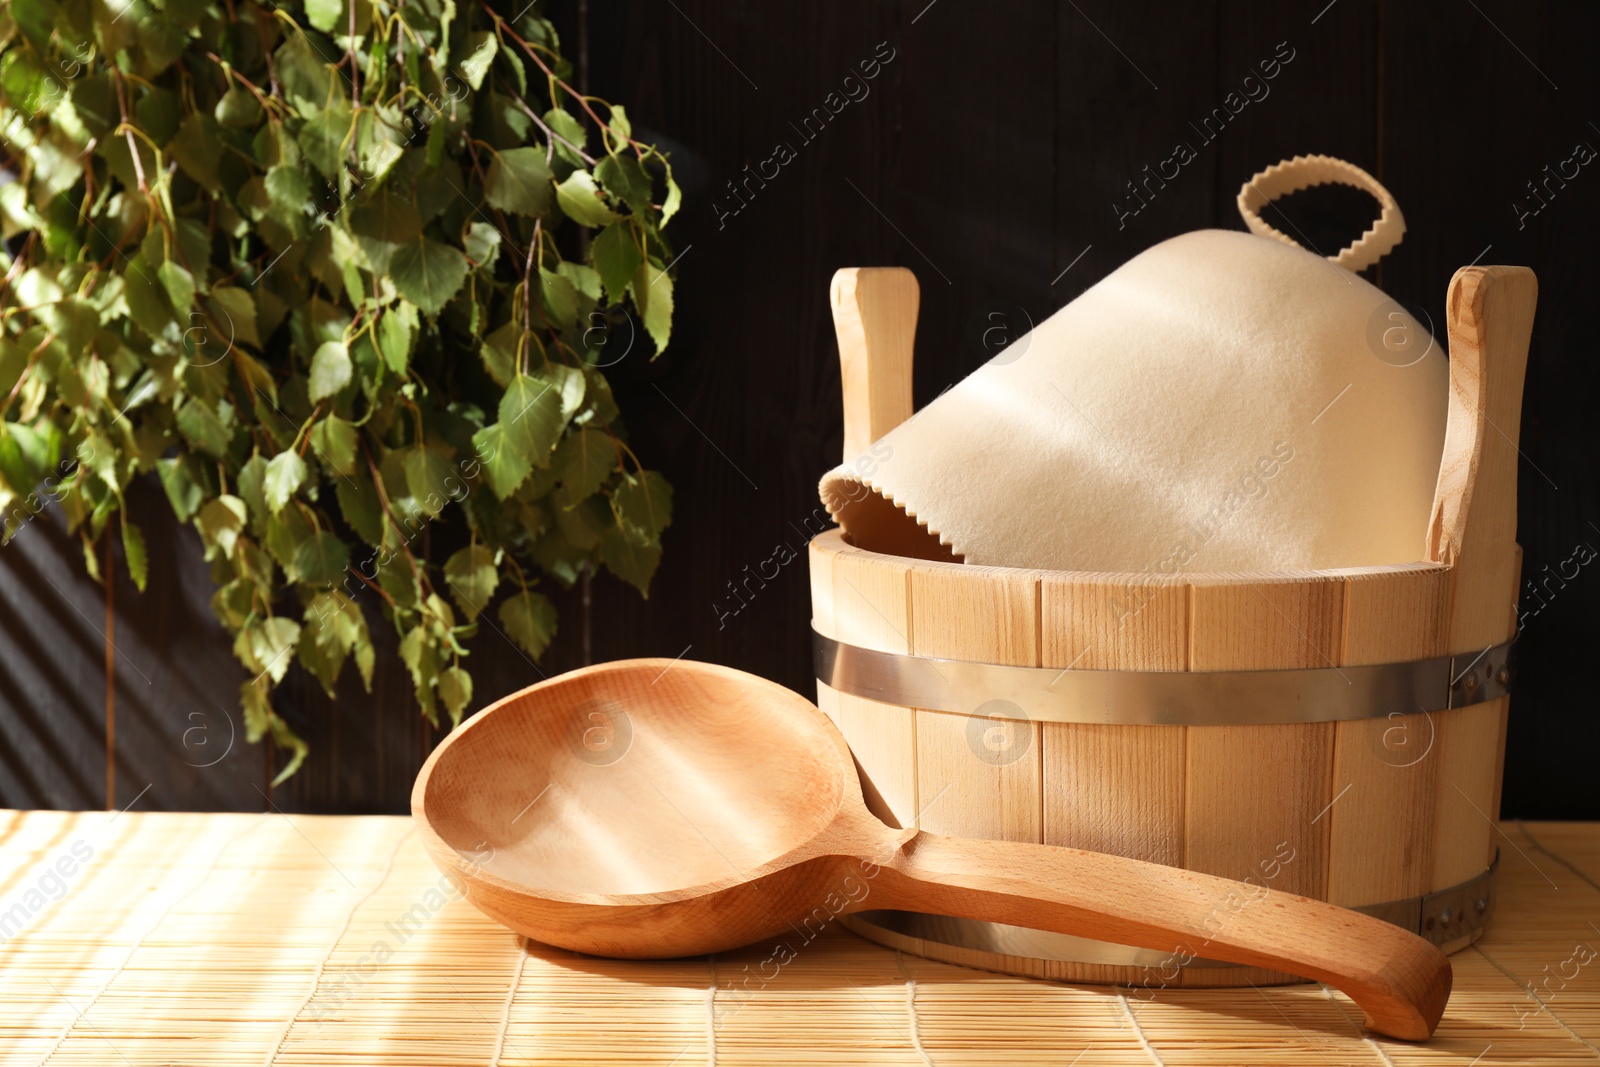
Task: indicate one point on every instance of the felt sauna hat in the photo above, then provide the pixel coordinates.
(1223, 401)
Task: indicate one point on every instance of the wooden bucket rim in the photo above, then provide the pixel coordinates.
(832, 540)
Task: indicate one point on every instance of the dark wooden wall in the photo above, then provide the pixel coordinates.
(987, 157)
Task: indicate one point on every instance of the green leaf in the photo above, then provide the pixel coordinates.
(232, 602)
(674, 200)
(197, 148)
(206, 429)
(642, 504)
(584, 460)
(615, 254)
(285, 474)
(330, 370)
(334, 441)
(429, 478)
(133, 549)
(21, 477)
(220, 523)
(257, 712)
(571, 382)
(237, 109)
(321, 560)
(285, 738)
(633, 563)
(40, 445)
(94, 100)
(560, 559)
(359, 504)
(148, 304)
(482, 243)
(625, 179)
(324, 14)
(158, 111)
(652, 295)
(396, 330)
(321, 653)
(323, 139)
(398, 580)
(264, 647)
(586, 280)
(304, 70)
(289, 188)
(179, 285)
(503, 465)
(234, 311)
(477, 53)
(581, 201)
(382, 223)
(455, 691)
(249, 483)
(26, 84)
(284, 533)
(421, 657)
(583, 523)
(428, 273)
(619, 126)
(183, 492)
(530, 620)
(472, 576)
(560, 298)
(13, 361)
(572, 133)
(531, 416)
(499, 353)
(519, 181)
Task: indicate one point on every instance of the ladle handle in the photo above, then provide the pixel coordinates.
(1399, 980)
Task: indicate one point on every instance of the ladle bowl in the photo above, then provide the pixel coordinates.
(656, 808)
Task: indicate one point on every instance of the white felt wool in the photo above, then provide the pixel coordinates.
(1221, 402)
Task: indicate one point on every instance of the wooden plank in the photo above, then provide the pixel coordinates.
(1469, 745)
(179, 729)
(870, 609)
(178, 726)
(1471, 748)
(875, 321)
(1474, 529)
(1256, 793)
(978, 778)
(1381, 831)
(1114, 788)
(52, 692)
(819, 561)
(1550, 748)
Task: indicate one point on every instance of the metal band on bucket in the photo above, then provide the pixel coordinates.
(1171, 698)
(1450, 918)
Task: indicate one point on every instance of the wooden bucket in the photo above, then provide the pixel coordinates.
(1334, 733)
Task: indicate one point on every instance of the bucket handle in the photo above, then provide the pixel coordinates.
(1303, 172)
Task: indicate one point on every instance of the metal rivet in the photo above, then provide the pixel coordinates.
(1481, 905)
(1472, 681)
(1446, 915)
(1429, 923)
(1504, 676)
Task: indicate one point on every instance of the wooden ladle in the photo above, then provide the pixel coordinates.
(656, 808)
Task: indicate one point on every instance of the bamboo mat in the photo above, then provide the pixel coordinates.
(262, 939)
